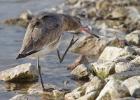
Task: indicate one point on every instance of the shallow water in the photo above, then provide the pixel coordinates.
(10, 42)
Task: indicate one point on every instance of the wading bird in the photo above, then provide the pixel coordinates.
(44, 33)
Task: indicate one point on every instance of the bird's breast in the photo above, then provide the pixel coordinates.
(47, 49)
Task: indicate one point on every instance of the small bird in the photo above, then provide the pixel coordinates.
(44, 33)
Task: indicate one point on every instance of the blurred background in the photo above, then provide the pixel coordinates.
(108, 18)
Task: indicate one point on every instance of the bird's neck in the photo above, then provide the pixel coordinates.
(68, 23)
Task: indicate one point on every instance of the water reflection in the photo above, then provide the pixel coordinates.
(23, 87)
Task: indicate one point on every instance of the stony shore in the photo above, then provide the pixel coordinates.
(114, 59)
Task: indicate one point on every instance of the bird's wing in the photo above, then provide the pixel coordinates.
(37, 36)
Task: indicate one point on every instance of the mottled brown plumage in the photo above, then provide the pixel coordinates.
(45, 31)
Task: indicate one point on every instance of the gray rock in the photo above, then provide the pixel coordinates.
(21, 73)
(136, 60)
(89, 96)
(119, 12)
(124, 66)
(95, 85)
(104, 69)
(126, 58)
(112, 90)
(26, 15)
(88, 91)
(133, 37)
(111, 53)
(133, 85)
(76, 93)
(124, 75)
(80, 71)
(133, 14)
(137, 50)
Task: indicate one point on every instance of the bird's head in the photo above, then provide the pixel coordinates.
(74, 24)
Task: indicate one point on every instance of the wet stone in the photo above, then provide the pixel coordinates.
(80, 71)
(113, 89)
(21, 73)
(133, 85)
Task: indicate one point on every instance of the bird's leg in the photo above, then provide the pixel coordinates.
(39, 71)
(63, 56)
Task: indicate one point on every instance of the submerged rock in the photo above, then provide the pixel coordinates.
(23, 97)
(112, 90)
(133, 85)
(22, 20)
(21, 73)
(55, 94)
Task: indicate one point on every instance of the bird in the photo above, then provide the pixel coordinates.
(43, 35)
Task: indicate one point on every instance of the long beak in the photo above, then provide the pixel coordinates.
(87, 30)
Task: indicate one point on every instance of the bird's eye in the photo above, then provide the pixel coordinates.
(37, 23)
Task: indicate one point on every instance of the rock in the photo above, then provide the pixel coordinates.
(89, 46)
(88, 91)
(133, 85)
(111, 53)
(124, 75)
(112, 90)
(124, 66)
(133, 14)
(126, 58)
(16, 21)
(130, 65)
(89, 96)
(21, 73)
(136, 60)
(75, 94)
(56, 92)
(104, 69)
(137, 50)
(26, 15)
(20, 97)
(23, 97)
(95, 85)
(80, 71)
(22, 20)
(119, 12)
(133, 37)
